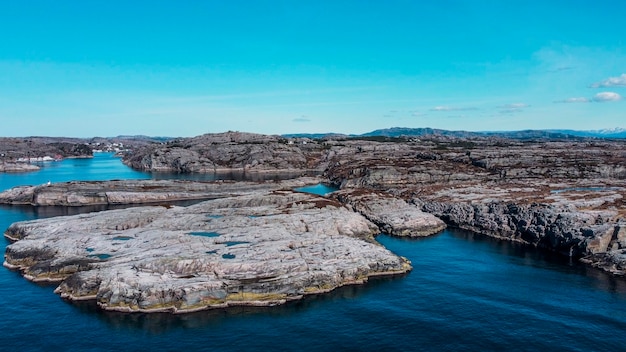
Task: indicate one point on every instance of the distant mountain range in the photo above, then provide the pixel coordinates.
(525, 134)
(604, 133)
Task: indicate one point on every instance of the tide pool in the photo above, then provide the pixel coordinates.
(319, 189)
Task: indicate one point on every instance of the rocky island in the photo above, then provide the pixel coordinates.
(261, 243)
(26, 154)
(264, 248)
(17, 153)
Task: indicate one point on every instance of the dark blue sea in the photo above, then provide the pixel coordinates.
(466, 293)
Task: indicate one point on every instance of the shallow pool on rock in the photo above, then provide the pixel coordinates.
(234, 243)
(122, 238)
(584, 189)
(101, 256)
(319, 189)
(204, 234)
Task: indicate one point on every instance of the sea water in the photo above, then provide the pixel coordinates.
(466, 293)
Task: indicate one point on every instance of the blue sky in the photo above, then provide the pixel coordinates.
(184, 68)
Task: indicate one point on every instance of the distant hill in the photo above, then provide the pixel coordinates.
(317, 135)
(145, 138)
(530, 134)
(524, 134)
(403, 131)
(605, 133)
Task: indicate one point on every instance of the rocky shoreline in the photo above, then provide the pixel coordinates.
(563, 196)
(18, 167)
(262, 248)
(566, 196)
(82, 193)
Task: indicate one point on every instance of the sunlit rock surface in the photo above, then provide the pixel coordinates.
(567, 196)
(80, 193)
(17, 167)
(259, 249)
(231, 151)
(393, 215)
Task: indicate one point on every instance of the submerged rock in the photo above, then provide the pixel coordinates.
(259, 249)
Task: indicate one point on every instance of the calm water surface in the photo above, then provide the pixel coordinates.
(466, 293)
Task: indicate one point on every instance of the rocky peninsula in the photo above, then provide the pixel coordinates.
(117, 192)
(558, 192)
(19, 154)
(232, 151)
(263, 248)
(566, 196)
(17, 167)
(260, 243)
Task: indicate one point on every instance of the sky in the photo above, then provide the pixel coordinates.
(185, 68)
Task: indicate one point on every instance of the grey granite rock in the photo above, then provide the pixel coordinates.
(230, 151)
(80, 193)
(557, 228)
(393, 215)
(17, 167)
(258, 249)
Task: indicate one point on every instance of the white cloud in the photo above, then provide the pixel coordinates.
(516, 106)
(452, 108)
(574, 100)
(606, 96)
(512, 108)
(611, 82)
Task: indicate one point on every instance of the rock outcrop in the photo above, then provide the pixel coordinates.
(14, 149)
(18, 167)
(259, 249)
(255, 243)
(566, 196)
(224, 152)
(81, 193)
(559, 229)
(393, 216)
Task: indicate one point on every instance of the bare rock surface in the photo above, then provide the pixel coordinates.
(17, 167)
(80, 193)
(223, 152)
(392, 215)
(15, 149)
(256, 249)
(567, 196)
